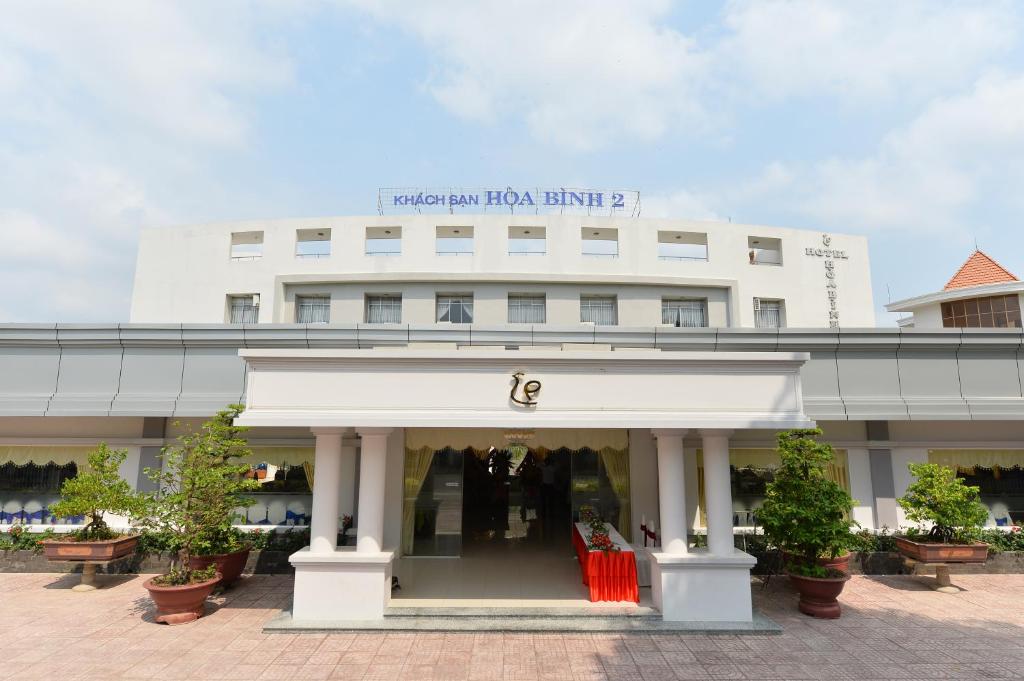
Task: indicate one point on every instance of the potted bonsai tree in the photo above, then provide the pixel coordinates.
(96, 490)
(223, 545)
(807, 516)
(192, 507)
(952, 508)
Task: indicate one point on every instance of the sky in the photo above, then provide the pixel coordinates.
(901, 121)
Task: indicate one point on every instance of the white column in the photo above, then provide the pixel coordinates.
(718, 491)
(323, 527)
(372, 478)
(672, 491)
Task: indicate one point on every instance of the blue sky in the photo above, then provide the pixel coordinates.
(902, 121)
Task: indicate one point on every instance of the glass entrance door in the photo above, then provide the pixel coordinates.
(437, 510)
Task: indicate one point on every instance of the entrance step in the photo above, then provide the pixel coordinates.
(531, 612)
(284, 623)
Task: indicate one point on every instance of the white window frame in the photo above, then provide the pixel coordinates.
(527, 308)
(588, 307)
(444, 306)
(246, 305)
(769, 313)
(313, 309)
(684, 312)
(385, 304)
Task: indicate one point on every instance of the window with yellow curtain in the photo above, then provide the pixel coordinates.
(997, 473)
(285, 494)
(750, 470)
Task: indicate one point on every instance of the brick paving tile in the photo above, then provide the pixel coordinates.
(892, 628)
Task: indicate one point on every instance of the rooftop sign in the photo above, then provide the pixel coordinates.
(514, 200)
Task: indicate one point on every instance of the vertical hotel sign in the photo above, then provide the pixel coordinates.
(830, 255)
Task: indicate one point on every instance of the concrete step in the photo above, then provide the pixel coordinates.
(530, 612)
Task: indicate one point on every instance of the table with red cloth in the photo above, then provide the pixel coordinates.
(611, 575)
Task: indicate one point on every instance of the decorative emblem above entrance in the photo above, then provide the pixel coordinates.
(528, 393)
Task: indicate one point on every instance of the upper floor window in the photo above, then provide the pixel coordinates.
(684, 312)
(764, 250)
(599, 310)
(312, 309)
(526, 309)
(455, 241)
(383, 241)
(768, 313)
(244, 309)
(384, 309)
(985, 313)
(527, 241)
(312, 243)
(456, 309)
(602, 242)
(682, 246)
(246, 245)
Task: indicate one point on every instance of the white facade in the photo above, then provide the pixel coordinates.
(190, 274)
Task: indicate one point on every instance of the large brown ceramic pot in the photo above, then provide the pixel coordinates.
(98, 551)
(180, 604)
(933, 552)
(229, 565)
(819, 595)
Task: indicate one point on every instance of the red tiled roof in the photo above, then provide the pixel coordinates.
(978, 271)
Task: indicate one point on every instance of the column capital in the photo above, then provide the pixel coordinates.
(716, 432)
(330, 431)
(363, 432)
(669, 432)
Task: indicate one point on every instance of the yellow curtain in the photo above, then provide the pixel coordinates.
(616, 466)
(547, 439)
(308, 468)
(282, 456)
(969, 458)
(417, 465)
(59, 454)
(766, 458)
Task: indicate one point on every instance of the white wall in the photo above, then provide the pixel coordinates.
(184, 274)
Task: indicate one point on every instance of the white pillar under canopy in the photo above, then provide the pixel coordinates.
(718, 492)
(372, 477)
(323, 526)
(672, 491)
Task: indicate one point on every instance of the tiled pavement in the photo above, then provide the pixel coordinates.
(892, 628)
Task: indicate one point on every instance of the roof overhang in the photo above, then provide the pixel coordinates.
(911, 304)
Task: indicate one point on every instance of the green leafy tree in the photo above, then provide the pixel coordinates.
(96, 490)
(200, 489)
(937, 496)
(805, 513)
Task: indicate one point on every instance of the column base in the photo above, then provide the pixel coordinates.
(343, 585)
(700, 587)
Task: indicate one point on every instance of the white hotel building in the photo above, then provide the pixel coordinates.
(383, 362)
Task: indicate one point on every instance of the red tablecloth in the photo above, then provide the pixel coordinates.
(611, 575)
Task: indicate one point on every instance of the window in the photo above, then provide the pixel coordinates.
(603, 242)
(682, 246)
(312, 243)
(598, 310)
(455, 241)
(244, 309)
(383, 241)
(767, 313)
(680, 312)
(384, 309)
(764, 250)
(527, 241)
(986, 313)
(526, 309)
(312, 309)
(455, 309)
(246, 245)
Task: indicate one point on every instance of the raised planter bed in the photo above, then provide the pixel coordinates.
(98, 551)
(931, 552)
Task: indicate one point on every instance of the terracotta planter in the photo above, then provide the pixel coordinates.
(97, 551)
(180, 604)
(841, 563)
(229, 565)
(931, 552)
(819, 595)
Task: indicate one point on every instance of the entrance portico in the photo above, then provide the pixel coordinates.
(372, 396)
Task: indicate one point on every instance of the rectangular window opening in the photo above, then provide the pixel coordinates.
(383, 241)
(455, 309)
(454, 241)
(684, 312)
(312, 309)
(601, 310)
(682, 245)
(527, 241)
(526, 309)
(313, 243)
(384, 309)
(601, 242)
(246, 245)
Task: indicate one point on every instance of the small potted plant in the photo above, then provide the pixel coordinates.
(191, 507)
(952, 508)
(807, 516)
(96, 490)
(222, 544)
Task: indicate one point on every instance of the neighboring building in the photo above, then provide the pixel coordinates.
(387, 365)
(981, 295)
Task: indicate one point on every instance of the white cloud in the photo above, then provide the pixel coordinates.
(861, 50)
(582, 74)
